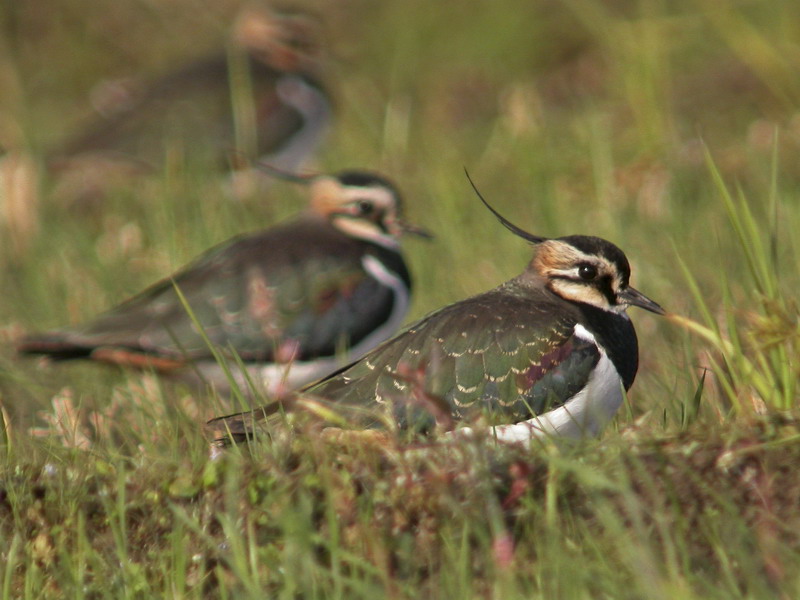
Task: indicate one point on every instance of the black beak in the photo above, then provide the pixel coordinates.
(637, 298)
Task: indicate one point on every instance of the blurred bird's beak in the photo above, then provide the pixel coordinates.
(404, 227)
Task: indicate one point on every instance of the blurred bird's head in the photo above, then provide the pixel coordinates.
(362, 204)
(286, 41)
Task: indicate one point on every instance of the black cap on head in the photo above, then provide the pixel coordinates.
(364, 179)
(600, 247)
(370, 179)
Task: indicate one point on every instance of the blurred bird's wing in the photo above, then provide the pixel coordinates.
(294, 292)
(194, 110)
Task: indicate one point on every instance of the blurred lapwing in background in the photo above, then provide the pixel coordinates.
(262, 100)
(292, 303)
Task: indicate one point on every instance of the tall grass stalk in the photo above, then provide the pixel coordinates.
(755, 346)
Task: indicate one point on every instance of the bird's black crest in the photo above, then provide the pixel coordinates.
(285, 175)
(534, 239)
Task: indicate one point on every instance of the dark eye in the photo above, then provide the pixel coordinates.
(365, 207)
(587, 272)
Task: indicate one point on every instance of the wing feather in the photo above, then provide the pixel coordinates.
(255, 294)
(530, 366)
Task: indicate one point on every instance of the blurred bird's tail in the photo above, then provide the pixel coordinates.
(53, 345)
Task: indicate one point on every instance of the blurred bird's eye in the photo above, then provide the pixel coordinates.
(587, 272)
(365, 207)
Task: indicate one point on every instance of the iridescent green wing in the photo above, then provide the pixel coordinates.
(501, 356)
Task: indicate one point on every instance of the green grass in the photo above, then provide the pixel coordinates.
(670, 128)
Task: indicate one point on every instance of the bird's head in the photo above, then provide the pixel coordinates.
(582, 268)
(362, 204)
(590, 270)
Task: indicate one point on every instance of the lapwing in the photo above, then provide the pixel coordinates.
(264, 100)
(292, 303)
(550, 352)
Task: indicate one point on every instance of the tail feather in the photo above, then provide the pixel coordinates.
(240, 427)
(53, 345)
(58, 347)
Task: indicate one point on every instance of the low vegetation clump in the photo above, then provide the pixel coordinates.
(349, 515)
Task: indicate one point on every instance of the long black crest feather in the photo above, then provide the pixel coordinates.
(285, 175)
(534, 239)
